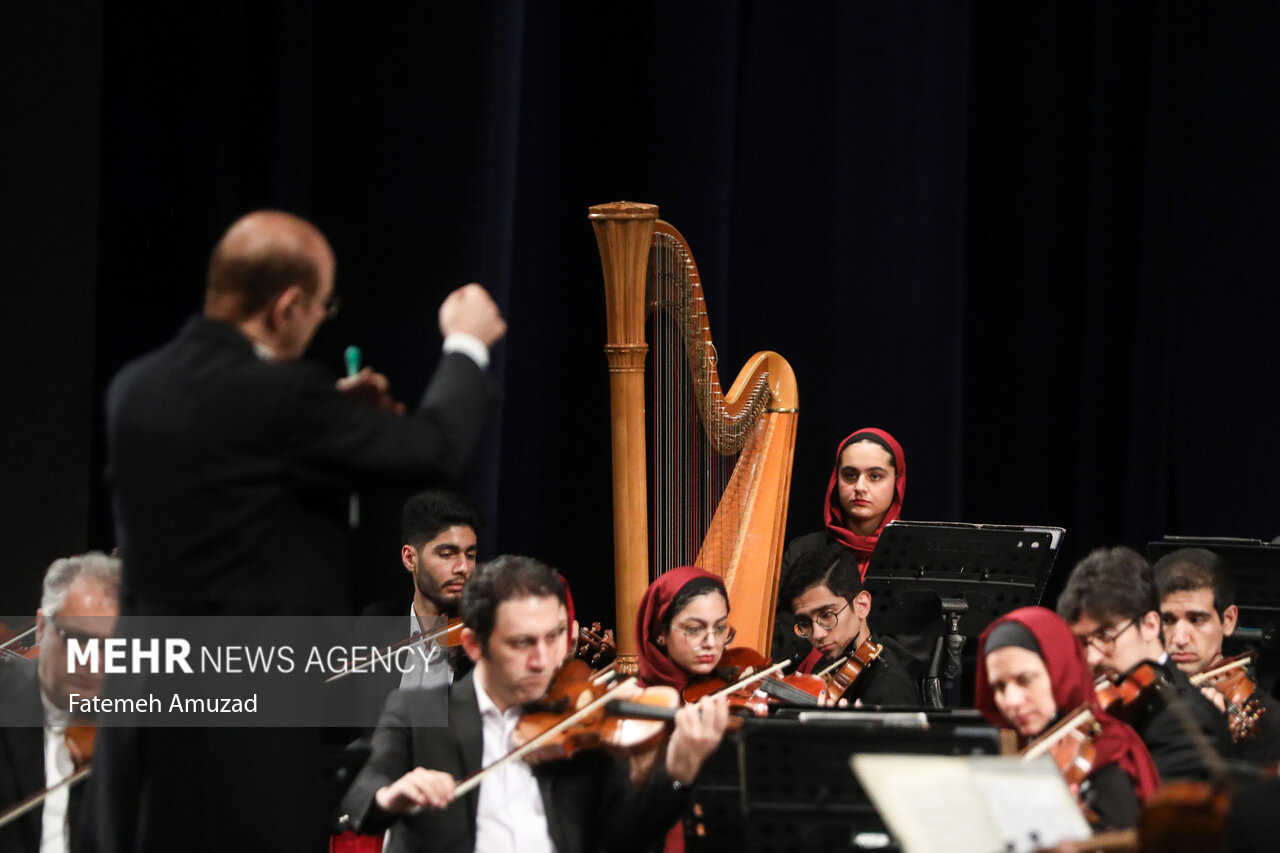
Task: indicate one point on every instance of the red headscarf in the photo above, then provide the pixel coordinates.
(1072, 682)
(655, 666)
(833, 513)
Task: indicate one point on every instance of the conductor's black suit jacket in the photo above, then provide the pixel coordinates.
(589, 801)
(230, 477)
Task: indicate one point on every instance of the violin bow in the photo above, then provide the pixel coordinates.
(839, 663)
(406, 643)
(476, 778)
(16, 637)
(1201, 679)
(752, 679)
(23, 806)
(1059, 731)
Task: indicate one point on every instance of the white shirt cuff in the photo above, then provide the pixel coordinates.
(468, 345)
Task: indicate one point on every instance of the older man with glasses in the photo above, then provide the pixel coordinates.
(831, 607)
(1111, 604)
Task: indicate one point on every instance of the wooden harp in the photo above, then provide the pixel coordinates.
(700, 477)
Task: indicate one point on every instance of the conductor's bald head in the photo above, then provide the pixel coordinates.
(271, 275)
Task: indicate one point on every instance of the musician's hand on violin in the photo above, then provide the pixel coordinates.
(698, 731)
(825, 701)
(1215, 696)
(370, 389)
(416, 790)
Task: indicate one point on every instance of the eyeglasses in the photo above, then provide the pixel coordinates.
(332, 305)
(1103, 640)
(826, 620)
(695, 633)
(81, 637)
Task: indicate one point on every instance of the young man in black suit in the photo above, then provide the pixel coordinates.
(1111, 604)
(831, 608)
(230, 464)
(517, 634)
(79, 600)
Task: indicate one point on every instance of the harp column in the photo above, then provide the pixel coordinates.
(623, 231)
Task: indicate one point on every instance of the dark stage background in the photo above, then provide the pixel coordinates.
(1033, 241)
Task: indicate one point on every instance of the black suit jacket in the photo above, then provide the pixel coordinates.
(230, 475)
(589, 800)
(22, 756)
(230, 478)
(1168, 741)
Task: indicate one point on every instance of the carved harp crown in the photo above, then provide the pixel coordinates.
(702, 477)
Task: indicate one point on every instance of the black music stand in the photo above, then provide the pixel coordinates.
(934, 584)
(785, 786)
(1255, 567)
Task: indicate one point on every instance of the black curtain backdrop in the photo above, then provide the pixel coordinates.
(1033, 241)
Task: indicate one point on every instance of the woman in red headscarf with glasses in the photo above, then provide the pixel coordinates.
(682, 629)
(1031, 672)
(864, 494)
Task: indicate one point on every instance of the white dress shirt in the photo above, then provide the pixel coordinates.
(510, 815)
(57, 766)
(428, 662)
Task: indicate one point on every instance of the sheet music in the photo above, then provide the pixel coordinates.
(980, 804)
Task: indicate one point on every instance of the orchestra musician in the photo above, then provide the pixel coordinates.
(1032, 671)
(1197, 610)
(80, 599)
(682, 631)
(831, 608)
(517, 634)
(1110, 603)
(865, 493)
(230, 465)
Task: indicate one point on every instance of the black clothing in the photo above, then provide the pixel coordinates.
(1171, 747)
(589, 800)
(230, 477)
(1110, 793)
(887, 681)
(22, 757)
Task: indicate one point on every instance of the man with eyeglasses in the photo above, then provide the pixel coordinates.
(230, 464)
(1110, 602)
(80, 600)
(831, 606)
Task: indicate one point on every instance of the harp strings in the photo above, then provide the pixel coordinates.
(696, 443)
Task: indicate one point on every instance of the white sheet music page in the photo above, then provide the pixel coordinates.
(979, 804)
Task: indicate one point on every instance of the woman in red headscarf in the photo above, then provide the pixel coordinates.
(865, 493)
(682, 629)
(1031, 671)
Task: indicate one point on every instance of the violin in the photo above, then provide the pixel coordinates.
(596, 646)
(80, 741)
(16, 644)
(1231, 679)
(841, 674)
(580, 712)
(1070, 742)
(1117, 695)
(573, 689)
(449, 635)
(737, 675)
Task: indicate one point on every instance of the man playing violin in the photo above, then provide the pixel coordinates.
(80, 600)
(1110, 603)
(831, 607)
(1197, 611)
(517, 635)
